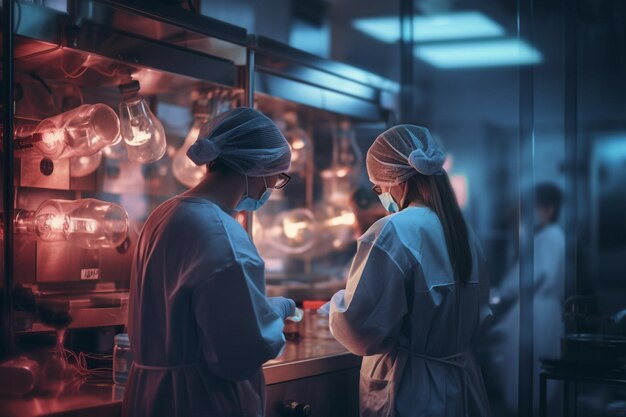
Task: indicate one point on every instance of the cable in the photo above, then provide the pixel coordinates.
(82, 368)
(106, 74)
(46, 51)
(42, 82)
(79, 72)
(45, 85)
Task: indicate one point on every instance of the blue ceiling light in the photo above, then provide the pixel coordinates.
(488, 53)
(449, 26)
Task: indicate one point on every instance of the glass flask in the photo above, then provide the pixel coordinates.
(207, 106)
(82, 131)
(81, 166)
(86, 223)
(293, 231)
(142, 132)
(184, 169)
(300, 143)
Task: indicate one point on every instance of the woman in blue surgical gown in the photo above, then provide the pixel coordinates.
(200, 325)
(417, 291)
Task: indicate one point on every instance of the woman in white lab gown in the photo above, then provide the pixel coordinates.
(548, 295)
(200, 325)
(411, 307)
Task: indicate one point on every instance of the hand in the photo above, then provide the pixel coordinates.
(284, 307)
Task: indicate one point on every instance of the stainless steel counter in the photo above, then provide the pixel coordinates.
(314, 354)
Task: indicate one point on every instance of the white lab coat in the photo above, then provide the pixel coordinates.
(200, 326)
(549, 285)
(403, 312)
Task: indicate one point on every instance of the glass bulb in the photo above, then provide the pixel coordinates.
(142, 132)
(337, 227)
(207, 105)
(340, 178)
(347, 157)
(299, 141)
(82, 166)
(86, 223)
(183, 168)
(293, 231)
(82, 131)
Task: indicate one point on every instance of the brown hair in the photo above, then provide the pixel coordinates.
(436, 193)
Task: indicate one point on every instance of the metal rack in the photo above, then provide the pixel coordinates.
(181, 50)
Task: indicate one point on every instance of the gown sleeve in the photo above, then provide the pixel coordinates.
(239, 330)
(366, 317)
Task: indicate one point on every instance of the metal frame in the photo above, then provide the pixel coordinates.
(526, 207)
(181, 18)
(127, 48)
(7, 168)
(340, 86)
(130, 49)
(568, 379)
(291, 74)
(570, 47)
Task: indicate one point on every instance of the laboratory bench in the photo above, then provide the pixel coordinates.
(314, 376)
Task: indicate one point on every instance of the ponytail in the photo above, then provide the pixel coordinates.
(436, 192)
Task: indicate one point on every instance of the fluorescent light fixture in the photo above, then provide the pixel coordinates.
(479, 54)
(461, 25)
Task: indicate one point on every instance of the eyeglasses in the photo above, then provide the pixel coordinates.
(377, 190)
(282, 181)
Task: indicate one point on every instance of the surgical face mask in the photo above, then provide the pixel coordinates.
(248, 203)
(388, 202)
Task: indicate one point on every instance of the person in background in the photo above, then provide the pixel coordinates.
(549, 285)
(200, 325)
(417, 292)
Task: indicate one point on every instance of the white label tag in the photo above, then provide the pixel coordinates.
(89, 274)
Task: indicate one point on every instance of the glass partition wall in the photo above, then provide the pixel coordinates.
(529, 100)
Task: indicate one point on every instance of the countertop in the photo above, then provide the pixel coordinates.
(315, 353)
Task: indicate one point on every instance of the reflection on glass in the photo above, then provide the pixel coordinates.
(87, 223)
(82, 131)
(336, 227)
(143, 133)
(292, 232)
(339, 180)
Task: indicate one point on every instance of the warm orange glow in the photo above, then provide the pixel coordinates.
(346, 219)
(292, 229)
(297, 144)
(342, 172)
(52, 138)
(55, 223)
